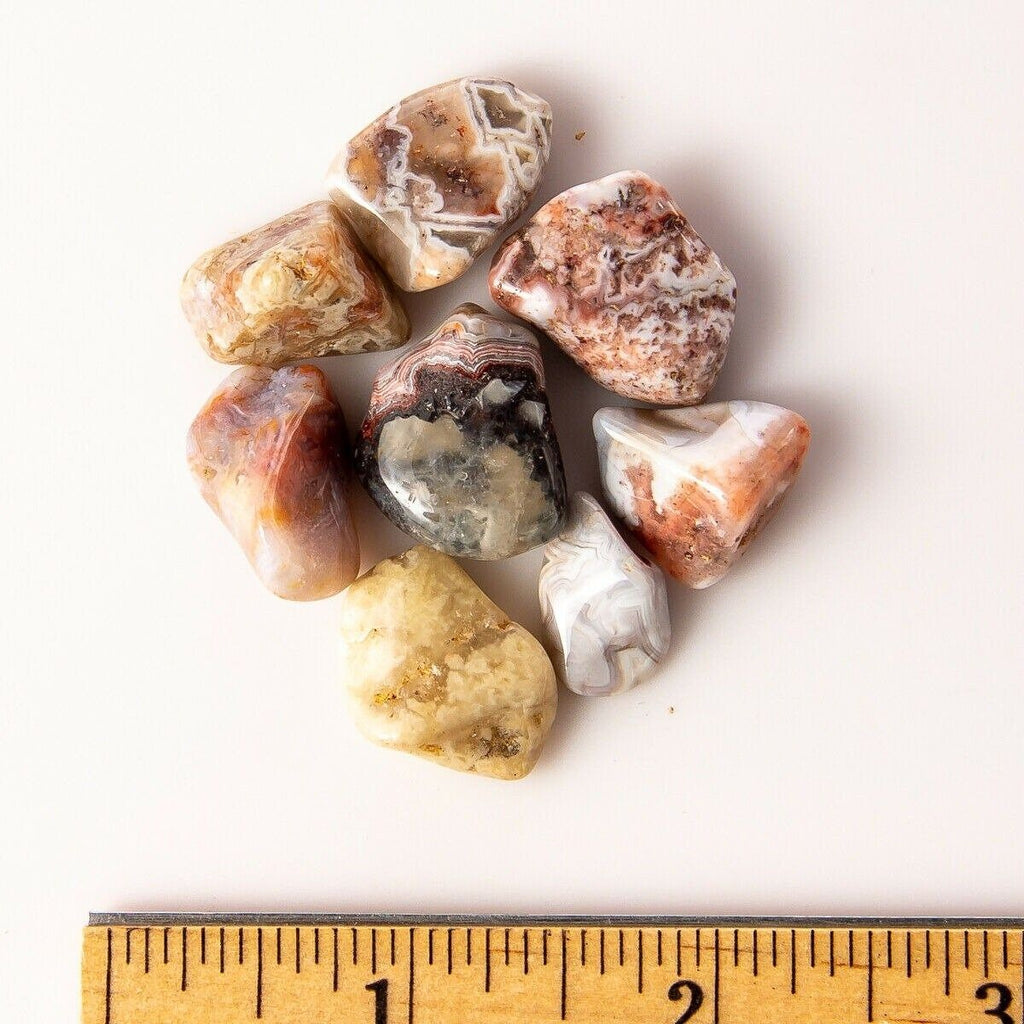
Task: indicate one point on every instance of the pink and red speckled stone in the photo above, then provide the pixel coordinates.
(617, 277)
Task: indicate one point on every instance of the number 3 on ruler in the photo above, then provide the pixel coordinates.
(675, 993)
(1005, 998)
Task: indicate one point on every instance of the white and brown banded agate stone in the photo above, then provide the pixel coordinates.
(431, 183)
(293, 289)
(269, 453)
(696, 485)
(458, 447)
(613, 272)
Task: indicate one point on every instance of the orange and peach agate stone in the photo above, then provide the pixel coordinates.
(268, 451)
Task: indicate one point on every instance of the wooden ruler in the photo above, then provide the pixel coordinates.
(300, 970)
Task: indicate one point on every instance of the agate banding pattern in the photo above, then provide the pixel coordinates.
(431, 183)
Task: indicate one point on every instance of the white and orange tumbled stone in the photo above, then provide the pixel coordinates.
(613, 272)
(268, 451)
(293, 289)
(696, 485)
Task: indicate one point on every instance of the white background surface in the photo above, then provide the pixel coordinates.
(847, 733)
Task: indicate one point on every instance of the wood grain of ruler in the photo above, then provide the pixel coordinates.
(139, 969)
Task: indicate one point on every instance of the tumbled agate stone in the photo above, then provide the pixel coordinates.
(296, 288)
(614, 273)
(268, 453)
(432, 666)
(458, 448)
(431, 183)
(605, 609)
(697, 484)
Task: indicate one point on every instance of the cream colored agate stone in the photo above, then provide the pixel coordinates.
(296, 288)
(268, 451)
(431, 183)
(433, 667)
(605, 608)
(696, 485)
(617, 277)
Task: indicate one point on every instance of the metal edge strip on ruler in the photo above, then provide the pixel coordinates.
(137, 919)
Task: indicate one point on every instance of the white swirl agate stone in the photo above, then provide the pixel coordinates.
(617, 277)
(433, 667)
(696, 485)
(430, 184)
(605, 609)
(296, 288)
(269, 453)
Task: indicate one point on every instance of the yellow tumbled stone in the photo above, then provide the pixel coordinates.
(432, 666)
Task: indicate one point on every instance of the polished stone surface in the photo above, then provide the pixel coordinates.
(432, 666)
(268, 451)
(696, 485)
(615, 274)
(293, 289)
(605, 609)
(458, 448)
(433, 182)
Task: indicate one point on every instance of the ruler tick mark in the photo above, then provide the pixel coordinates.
(622, 948)
(430, 947)
(679, 952)
(355, 947)
(775, 948)
(888, 950)
(583, 947)
(412, 970)
(128, 946)
(659, 947)
(222, 951)
(716, 975)
(792, 961)
(166, 933)
(754, 953)
(202, 945)
(735, 947)
(928, 949)
(1005, 958)
(110, 971)
(831, 954)
(298, 952)
(967, 951)
(563, 974)
(849, 943)
(469, 947)
(506, 948)
(259, 973)
(946, 947)
(697, 937)
(871, 978)
(279, 946)
(910, 959)
(487, 960)
(184, 958)
(450, 951)
(984, 953)
(316, 945)
(334, 976)
(639, 961)
(241, 946)
(526, 952)
(544, 944)
(812, 949)
(373, 951)
(392, 947)
(147, 951)
(602, 951)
